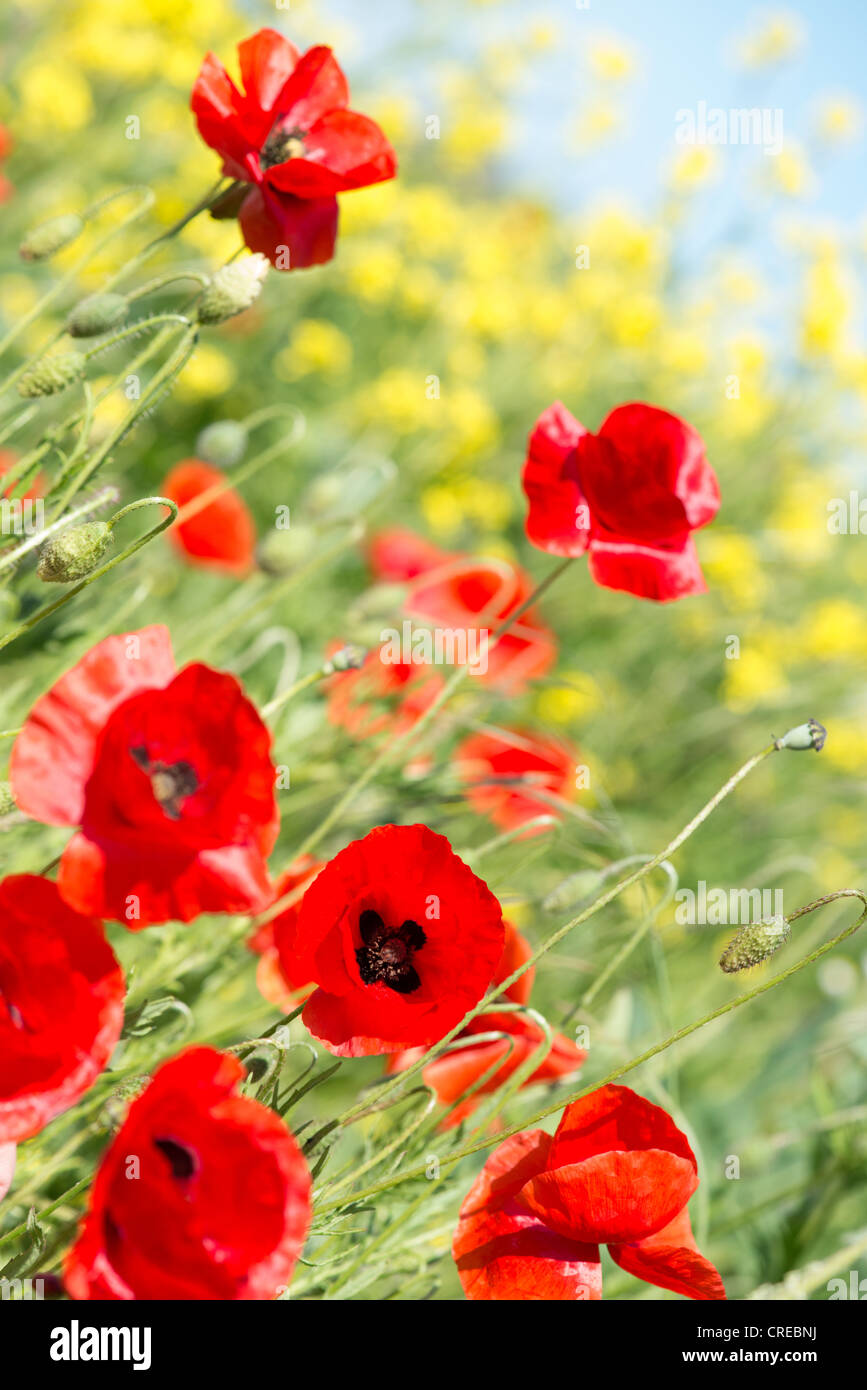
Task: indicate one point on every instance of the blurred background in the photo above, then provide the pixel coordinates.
(718, 281)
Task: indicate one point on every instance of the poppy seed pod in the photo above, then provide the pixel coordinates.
(348, 658)
(809, 735)
(232, 289)
(52, 374)
(222, 443)
(74, 553)
(97, 314)
(755, 943)
(51, 237)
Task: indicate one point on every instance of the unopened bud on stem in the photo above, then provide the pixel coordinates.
(755, 943)
(232, 289)
(74, 553)
(52, 374)
(99, 313)
(809, 735)
(51, 237)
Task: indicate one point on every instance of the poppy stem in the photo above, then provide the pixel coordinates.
(596, 906)
(390, 750)
(448, 1160)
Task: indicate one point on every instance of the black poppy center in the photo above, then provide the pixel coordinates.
(386, 956)
(282, 145)
(172, 783)
(16, 1018)
(182, 1160)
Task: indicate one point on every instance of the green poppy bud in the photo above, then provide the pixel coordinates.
(348, 658)
(232, 289)
(52, 374)
(809, 735)
(7, 800)
(97, 314)
(222, 443)
(74, 553)
(51, 237)
(755, 943)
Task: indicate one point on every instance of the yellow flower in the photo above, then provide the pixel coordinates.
(839, 119)
(575, 699)
(53, 96)
(827, 308)
(694, 166)
(208, 373)
(779, 38)
(833, 628)
(753, 678)
(611, 59)
(316, 346)
(789, 172)
(375, 272)
(599, 121)
(732, 564)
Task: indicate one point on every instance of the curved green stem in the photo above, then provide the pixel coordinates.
(449, 1160)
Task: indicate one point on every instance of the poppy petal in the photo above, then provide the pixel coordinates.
(343, 150)
(317, 85)
(53, 755)
(222, 118)
(550, 480)
(292, 232)
(662, 574)
(502, 1251)
(7, 1167)
(670, 1260)
(612, 1196)
(654, 441)
(267, 61)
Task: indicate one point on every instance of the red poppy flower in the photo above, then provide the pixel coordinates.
(274, 985)
(381, 696)
(61, 1005)
(458, 1070)
(168, 775)
(7, 1167)
(630, 495)
(509, 774)
(473, 597)
(617, 1172)
(291, 141)
(217, 1205)
(222, 534)
(401, 938)
(398, 554)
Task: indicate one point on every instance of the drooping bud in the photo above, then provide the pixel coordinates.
(99, 313)
(809, 735)
(74, 553)
(755, 943)
(52, 374)
(281, 552)
(232, 289)
(51, 237)
(348, 658)
(222, 443)
(7, 800)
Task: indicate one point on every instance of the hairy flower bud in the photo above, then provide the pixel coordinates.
(97, 314)
(222, 443)
(52, 374)
(809, 735)
(74, 553)
(755, 943)
(51, 237)
(7, 800)
(232, 289)
(348, 658)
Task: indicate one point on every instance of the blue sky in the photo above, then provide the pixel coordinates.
(687, 53)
